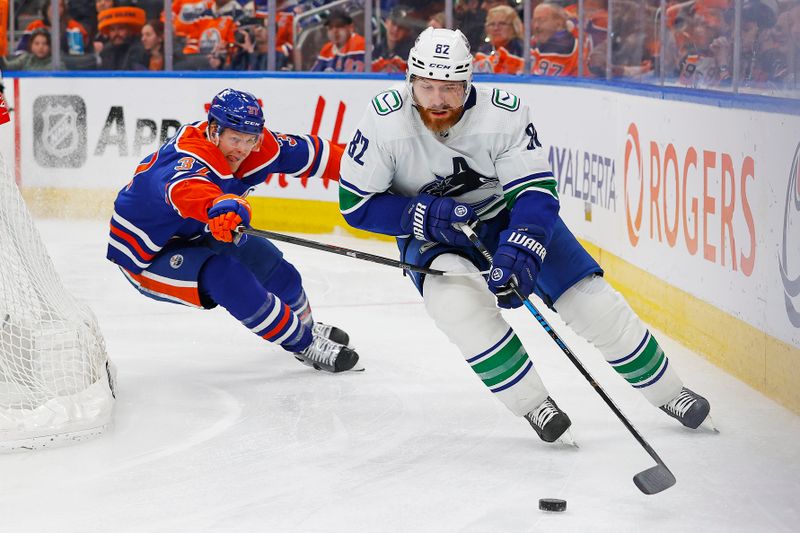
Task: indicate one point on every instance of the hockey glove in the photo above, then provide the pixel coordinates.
(430, 218)
(226, 214)
(517, 262)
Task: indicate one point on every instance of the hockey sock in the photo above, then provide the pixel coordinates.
(285, 281)
(465, 310)
(598, 313)
(230, 284)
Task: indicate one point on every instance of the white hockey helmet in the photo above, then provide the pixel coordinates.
(441, 54)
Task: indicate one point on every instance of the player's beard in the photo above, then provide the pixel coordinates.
(442, 123)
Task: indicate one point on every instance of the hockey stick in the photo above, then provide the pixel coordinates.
(355, 254)
(650, 481)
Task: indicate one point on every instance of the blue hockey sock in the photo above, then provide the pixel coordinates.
(230, 284)
(285, 281)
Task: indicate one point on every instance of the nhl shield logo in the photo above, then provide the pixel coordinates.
(176, 261)
(59, 128)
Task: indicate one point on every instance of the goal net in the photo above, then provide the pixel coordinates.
(56, 381)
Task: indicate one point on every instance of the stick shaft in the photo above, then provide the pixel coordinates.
(348, 252)
(473, 237)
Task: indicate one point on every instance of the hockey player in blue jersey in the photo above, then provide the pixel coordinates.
(172, 231)
(480, 158)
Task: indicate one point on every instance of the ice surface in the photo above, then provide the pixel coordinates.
(215, 430)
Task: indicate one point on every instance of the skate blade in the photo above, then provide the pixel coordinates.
(567, 439)
(357, 368)
(708, 425)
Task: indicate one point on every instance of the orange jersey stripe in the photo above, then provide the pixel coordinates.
(274, 331)
(147, 256)
(188, 294)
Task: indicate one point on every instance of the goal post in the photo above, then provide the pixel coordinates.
(56, 381)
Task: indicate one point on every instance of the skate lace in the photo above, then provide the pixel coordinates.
(322, 330)
(544, 414)
(322, 350)
(681, 403)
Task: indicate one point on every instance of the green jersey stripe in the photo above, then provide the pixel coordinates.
(503, 364)
(546, 185)
(348, 201)
(644, 365)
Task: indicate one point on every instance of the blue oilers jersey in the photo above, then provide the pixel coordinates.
(173, 188)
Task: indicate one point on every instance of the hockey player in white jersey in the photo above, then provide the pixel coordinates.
(437, 151)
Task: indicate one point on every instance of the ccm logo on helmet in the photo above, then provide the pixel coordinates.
(439, 65)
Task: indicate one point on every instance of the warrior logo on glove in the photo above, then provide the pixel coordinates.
(434, 219)
(497, 274)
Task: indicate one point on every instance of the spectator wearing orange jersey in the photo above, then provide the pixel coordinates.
(555, 48)
(504, 51)
(345, 50)
(213, 31)
(184, 15)
(74, 37)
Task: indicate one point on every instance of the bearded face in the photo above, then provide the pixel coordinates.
(440, 103)
(439, 121)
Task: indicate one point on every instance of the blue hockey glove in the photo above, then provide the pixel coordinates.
(517, 261)
(226, 214)
(430, 218)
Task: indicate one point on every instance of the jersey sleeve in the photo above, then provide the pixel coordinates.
(309, 156)
(301, 156)
(529, 187)
(366, 175)
(189, 191)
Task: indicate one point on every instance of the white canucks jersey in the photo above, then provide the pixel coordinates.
(488, 159)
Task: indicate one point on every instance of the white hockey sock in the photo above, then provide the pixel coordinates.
(465, 310)
(598, 313)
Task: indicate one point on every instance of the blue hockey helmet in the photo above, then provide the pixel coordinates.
(238, 111)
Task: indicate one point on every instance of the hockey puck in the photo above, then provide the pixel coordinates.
(552, 504)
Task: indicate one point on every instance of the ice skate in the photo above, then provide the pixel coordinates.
(690, 409)
(325, 354)
(550, 422)
(331, 332)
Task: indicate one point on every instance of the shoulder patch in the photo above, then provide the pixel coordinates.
(505, 100)
(387, 102)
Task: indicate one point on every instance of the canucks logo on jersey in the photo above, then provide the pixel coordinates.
(462, 181)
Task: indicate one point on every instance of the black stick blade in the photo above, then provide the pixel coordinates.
(654, 479)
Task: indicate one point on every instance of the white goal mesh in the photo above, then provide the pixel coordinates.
(56, 382)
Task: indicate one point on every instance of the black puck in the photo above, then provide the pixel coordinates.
(552, 504)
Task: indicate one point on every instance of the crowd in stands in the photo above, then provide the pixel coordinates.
(695, 50)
